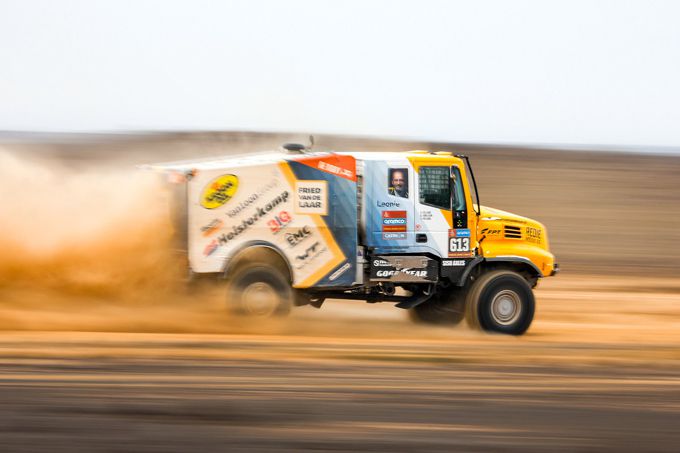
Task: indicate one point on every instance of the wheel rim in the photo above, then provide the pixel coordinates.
(260, 299)
(506, 307)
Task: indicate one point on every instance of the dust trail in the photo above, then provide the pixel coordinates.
(74, 240)
(103, 231)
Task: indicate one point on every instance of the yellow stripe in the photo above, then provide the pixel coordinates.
(336, 251)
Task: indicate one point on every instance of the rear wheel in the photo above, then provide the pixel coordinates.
(500, 301)
(259, 290)
(444, 309)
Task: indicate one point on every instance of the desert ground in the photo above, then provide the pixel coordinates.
(104, 348)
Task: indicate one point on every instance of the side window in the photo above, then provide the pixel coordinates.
(458, 192)
(434, 186)
(397, 182)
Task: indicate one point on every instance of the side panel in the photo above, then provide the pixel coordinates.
(229, 207)
(335, 258)
(388, 217)
(303, 212)
(392, 221)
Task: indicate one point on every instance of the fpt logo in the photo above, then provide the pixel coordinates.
(393, 221)
(218, 191)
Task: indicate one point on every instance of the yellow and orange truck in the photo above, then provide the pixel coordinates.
(296, 227)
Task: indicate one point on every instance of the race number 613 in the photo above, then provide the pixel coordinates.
(459, 244)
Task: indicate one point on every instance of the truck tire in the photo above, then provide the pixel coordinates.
(447, 309)
(500, 301)
(259, 290)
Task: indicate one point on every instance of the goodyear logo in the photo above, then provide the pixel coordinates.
(219, 191)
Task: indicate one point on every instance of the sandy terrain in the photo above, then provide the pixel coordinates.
(599, 370)
(102, 348)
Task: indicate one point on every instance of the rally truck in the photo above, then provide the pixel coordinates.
(296, 227)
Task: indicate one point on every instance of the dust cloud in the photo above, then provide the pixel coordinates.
(78, 244)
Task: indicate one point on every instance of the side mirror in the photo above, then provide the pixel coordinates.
(452, 189)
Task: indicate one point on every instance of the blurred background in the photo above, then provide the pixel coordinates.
(568, 111)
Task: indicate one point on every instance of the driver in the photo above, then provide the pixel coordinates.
(398, 187)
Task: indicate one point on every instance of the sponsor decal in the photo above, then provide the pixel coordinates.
(260, 212)
(218, 191)
(491, 231)
(279, 222)
(422, 273)
(252, 198)
(309, 255)
(337, 165)
(388, 204)
(393, 229)
(210, 248)
(339, 272)
(210, 228)
(393, 221)
(404, 268)
(392, 236)
(310, 250)
(533, 235)
(459, 243)
(451, 263)
(311, 197)
(298, 236)
(460, 233)
(334, 169)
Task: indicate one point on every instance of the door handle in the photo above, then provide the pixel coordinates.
(421, 237)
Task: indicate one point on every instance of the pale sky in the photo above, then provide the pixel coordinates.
(561, 72)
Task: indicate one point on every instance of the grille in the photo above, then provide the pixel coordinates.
(513, 232)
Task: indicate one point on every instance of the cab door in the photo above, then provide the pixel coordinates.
(441, 210)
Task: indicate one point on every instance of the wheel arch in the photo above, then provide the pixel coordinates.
(259, 251)
(518, 264)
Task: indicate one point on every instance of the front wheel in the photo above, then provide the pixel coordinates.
(500, 301)
(259, 291)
